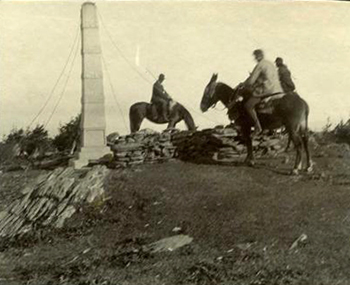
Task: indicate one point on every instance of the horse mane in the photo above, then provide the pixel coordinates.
(224, 92)
(224, 86)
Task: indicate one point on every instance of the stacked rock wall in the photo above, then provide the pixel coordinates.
(217, 144)
(145, 146)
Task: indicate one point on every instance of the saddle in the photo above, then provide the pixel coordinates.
(266, 106)
(171, 104)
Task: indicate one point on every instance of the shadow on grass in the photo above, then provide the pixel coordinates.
(286, 171)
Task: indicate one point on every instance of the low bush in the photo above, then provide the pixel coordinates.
(68, 133)
(28, 141)
(342, 132)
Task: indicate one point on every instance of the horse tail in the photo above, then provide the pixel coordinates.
(136, 116)
(187, 117)
(305, 123)
(307, 112)
(131, 118)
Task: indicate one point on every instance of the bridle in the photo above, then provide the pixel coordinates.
(234, 98)
(214, 105)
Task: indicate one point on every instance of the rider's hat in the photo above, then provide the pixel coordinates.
(279, 59)
(258, 52)
(161, 76)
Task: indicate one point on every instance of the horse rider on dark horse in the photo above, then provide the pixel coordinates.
(160, 99)
(162, 109)
(285, 76)
(262, 82)
(289, 110)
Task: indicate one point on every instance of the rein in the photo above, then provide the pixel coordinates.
(272, 94)
(240, 98)
(232, 102)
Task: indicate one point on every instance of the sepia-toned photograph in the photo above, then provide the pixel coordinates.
(193, 142)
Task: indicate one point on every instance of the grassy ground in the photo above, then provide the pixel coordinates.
(243, 221)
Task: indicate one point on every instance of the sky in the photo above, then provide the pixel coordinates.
(186, 40)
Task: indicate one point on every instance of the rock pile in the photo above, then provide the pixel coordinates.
(52, 199)
(222, 144)
(217, 144)
(145, 146)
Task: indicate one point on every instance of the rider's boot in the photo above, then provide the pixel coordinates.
(250, 107)
(165, 111)
(156, 116)
(257, 127)
(165, 116)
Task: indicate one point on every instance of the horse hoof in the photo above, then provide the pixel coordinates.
(310, 169)
(295, 172)
(250, 163)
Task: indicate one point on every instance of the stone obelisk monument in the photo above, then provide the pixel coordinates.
(93, 120)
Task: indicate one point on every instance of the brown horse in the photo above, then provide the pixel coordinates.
(290, 111)
(141, 110)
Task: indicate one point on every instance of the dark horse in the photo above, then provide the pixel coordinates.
(290, 111)
(141, 110)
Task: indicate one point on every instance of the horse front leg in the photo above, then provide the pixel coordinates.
(250, 155)
(173, 120)
(288, 144)
(171, 124)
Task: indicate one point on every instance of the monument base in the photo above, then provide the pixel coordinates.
(86, 154)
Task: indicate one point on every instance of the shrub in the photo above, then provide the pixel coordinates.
(6, 152)
(339, 134)
(30, 140)
(342, 132)
(68, 133)
(15, 136)
(37, 139)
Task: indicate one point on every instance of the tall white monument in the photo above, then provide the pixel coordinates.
(93, 120)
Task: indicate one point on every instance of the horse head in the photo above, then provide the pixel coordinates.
(210, 98)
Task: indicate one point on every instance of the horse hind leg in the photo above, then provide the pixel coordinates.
(297, 141)
(305, 141)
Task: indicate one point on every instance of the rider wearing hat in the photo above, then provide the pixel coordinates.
(262, 81)
(284, 76)
(160, 98)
